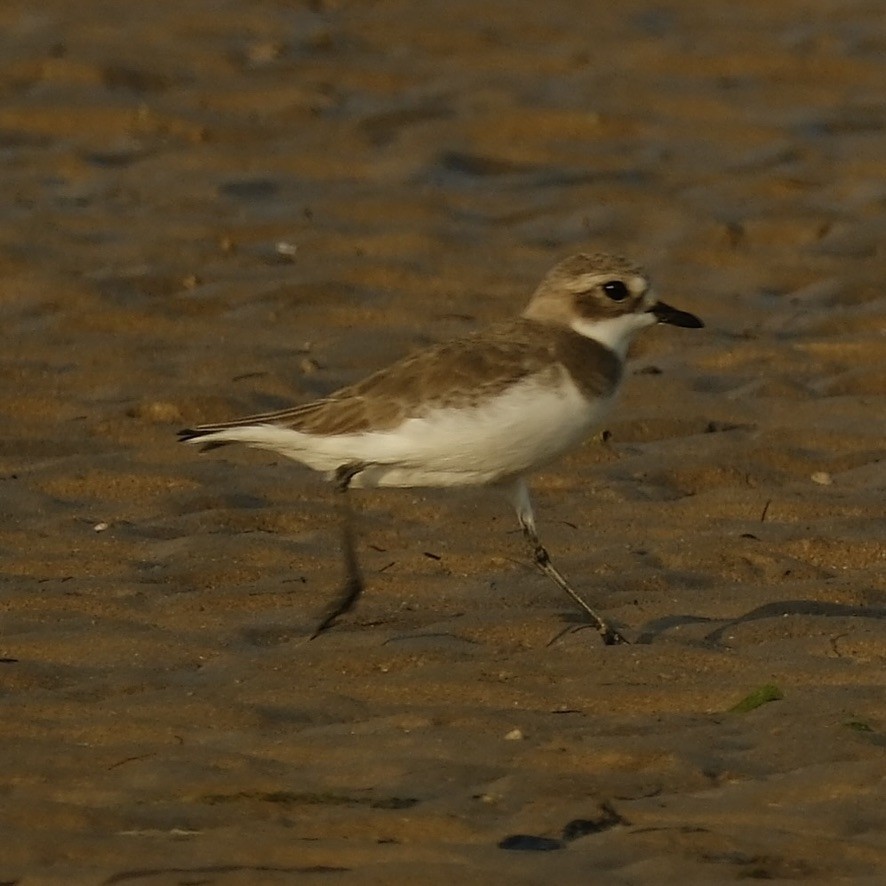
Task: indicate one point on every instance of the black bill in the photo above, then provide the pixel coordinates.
(666, 314)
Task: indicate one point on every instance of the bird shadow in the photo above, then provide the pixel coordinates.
(658, 628)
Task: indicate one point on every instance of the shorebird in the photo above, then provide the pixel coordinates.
(486, 409)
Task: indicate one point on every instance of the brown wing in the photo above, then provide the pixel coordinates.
(456, 373)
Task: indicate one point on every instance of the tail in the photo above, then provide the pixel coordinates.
(196, 435)
(278, 432)
(215, 436)
(267, 430)
(286, 441)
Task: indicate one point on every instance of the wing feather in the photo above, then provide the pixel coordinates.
(454, 374)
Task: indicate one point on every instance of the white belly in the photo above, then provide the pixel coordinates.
(509, 434)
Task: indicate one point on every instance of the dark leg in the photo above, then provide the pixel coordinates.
(523, 506)
(353, 585)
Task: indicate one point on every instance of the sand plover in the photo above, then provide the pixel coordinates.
(481, 410)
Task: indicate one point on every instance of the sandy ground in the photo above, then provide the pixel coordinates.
(212, 208)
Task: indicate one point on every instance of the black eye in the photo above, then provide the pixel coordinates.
(616, 290)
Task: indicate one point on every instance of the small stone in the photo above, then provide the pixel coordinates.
(286, 249)
(823, 478)
(515, 735)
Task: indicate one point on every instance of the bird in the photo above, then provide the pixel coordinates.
(486, 409)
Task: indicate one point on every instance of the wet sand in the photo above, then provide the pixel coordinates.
(215, 208)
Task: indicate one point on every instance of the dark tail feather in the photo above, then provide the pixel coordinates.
(186, 435)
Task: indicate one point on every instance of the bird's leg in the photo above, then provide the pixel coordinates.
(523, 507)
(353, 585)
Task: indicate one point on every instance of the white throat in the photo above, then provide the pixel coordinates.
(614, 333)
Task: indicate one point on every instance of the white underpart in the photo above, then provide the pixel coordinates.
(527, 425)
(614, 333)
